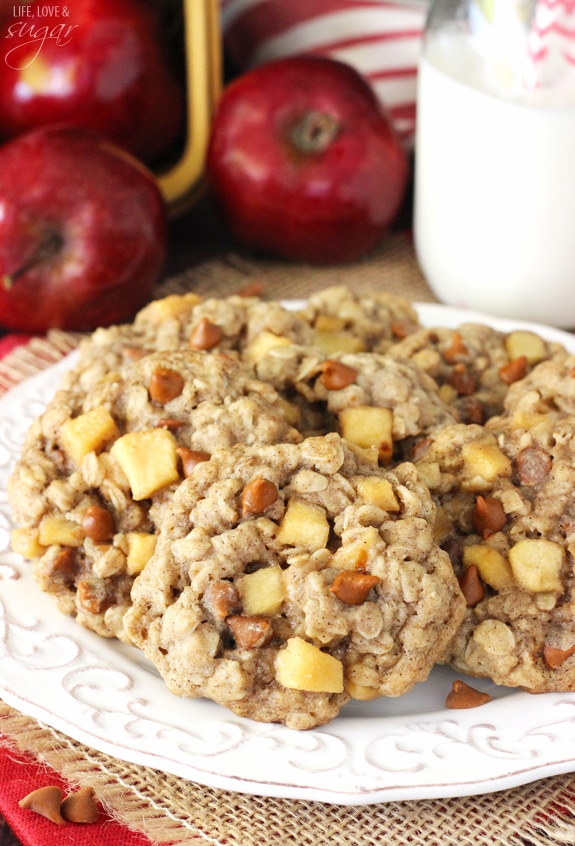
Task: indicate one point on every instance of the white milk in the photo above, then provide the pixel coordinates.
(494, 193)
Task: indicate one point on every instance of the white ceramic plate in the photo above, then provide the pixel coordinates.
(104, 694)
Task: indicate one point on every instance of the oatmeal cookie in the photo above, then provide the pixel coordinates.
(244, 327)
(344, 320)
(99, 467)
(474, 364)
(289, 578)
(507, 517)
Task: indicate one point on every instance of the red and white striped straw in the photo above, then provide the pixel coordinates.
(551, 44)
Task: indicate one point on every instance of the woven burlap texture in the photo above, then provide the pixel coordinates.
(168, 809)
(392, 267)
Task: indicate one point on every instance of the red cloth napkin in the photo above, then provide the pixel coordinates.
(20, 774)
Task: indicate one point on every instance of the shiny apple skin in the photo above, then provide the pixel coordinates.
(108, 72)
(326, 205)
(83, 231)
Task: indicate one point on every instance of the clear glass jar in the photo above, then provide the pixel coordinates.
(495, 160)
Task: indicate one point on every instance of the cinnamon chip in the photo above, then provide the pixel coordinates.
(45, 801)
(80, 807)
(250, 632)
(554, 657)
(258, 495)
(462, 695)
(205, 335)
(514, 370)
(190, 459)
(533, 465)
(488, 516)
(352, 587)
(456, 349)
(336, 375)
(471, 585)
(462, 381)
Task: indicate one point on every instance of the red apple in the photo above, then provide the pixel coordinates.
(83, 231)
(99, 64)
(304, 163)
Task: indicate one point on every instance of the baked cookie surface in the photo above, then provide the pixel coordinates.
(344, 320)
(507, 518)
(548, 388)
(374, 400)
(99, 467)
(475, 364)
(240, 326)
(289, 578)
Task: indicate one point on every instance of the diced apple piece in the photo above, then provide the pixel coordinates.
(332, 342)
(378, 491)
(174, 305)
(522, 342)
(88, 432)
(368, 426)
(55, 529)
(149, 460)
(260, 346)
(429, 473)
(302, 666)
(484, 462)
(263, 591)
(354, 556)
(493, 567)
(447, 393)
(305, 525)
(536, 565)
(329, 323)
(528, 419)
(25, 542)
(141, 546)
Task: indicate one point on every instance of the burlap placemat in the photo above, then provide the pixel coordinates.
(392, 267)
(169, 809)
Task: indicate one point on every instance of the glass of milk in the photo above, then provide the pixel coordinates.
(494, 211)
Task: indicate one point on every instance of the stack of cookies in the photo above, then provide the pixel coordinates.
(287, 509)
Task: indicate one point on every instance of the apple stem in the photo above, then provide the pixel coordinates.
(315, 132)
(48, 247)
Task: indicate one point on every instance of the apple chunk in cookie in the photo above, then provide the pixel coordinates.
(98, 469)
(288, 578)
